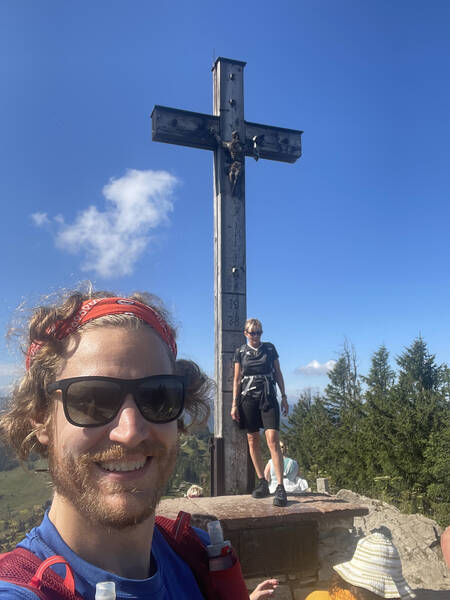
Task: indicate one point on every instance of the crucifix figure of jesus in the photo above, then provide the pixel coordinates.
(231, 138)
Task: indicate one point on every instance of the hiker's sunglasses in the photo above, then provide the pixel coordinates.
(95, 401)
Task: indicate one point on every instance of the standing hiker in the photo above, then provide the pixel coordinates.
(255, 405)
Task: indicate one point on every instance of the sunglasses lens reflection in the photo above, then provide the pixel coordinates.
(94, 402)
(161, 403)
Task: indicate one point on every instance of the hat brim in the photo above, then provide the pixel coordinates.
(387, 588)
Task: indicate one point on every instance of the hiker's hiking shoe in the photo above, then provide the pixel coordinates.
(262, 489)
(280, 498)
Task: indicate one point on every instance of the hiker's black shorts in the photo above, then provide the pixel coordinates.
(253, 418)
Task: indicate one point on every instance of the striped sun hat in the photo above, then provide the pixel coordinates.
(376, 567)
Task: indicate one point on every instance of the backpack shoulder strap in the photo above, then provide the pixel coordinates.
(183, 540)
(22, 567)
(270, 348)
(214, 585)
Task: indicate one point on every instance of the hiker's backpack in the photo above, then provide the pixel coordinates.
(22, 567)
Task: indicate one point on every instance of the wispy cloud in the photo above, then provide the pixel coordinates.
(316, 368)
(40, 219)
(111, 240)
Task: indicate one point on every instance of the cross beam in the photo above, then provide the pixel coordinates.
(186, 128)
(231, 138)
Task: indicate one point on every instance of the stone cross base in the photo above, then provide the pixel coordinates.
(296, 544)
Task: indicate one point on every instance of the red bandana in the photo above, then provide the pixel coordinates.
(99, 307)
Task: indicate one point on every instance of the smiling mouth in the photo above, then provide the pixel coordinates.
(123, 465)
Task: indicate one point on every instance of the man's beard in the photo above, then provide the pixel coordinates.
(73, 479)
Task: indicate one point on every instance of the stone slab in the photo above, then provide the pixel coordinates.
(245, 512)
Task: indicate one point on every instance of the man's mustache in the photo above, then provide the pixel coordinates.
(119, 452)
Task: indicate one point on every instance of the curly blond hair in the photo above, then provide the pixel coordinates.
(30, 403)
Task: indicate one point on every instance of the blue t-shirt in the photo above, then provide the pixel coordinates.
(173, 579)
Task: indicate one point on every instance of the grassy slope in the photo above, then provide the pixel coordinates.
(23, 494)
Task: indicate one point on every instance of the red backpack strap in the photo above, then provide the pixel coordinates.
(217, 585)
(185, 542)
(22, 567)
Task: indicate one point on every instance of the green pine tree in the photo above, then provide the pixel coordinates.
(308, 434)
(378, 421)
(418, 405)
(342, 399)
(418, 368)
(437, 466)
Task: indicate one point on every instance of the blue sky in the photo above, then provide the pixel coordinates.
(351, 242)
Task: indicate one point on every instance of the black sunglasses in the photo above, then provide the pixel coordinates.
(254, 333)
(95, 401)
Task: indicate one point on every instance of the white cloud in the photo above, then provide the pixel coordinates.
(316, 368)
(112, 239)
(40, 219)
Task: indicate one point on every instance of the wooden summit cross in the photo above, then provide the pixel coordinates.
(232, 139)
